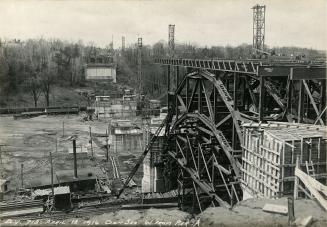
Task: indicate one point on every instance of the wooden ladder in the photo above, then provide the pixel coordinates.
(310, 169)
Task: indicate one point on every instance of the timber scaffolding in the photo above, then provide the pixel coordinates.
(209, 100)
(270, 152)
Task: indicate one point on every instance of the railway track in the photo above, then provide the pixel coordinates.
(115, 169)
(19, 204)
(80, 213)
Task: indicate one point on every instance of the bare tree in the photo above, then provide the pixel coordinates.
(34, 87)
(47, 71)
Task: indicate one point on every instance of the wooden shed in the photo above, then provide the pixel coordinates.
(269, 156)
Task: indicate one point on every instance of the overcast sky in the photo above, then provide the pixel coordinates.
(205, 22)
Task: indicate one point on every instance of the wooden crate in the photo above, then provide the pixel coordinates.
(269, 156)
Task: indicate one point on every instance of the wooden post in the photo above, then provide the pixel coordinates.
(301, 102)
(296, 180)
(52, 190)
(261, 98)
(63, 128)
(290, 92)
(291, 217)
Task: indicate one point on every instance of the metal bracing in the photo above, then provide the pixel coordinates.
(270, 86)
(208, 157)
(207, 110)
(221, 65)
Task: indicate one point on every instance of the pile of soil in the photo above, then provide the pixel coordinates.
(250, 213)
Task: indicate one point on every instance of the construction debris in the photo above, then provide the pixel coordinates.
(278, 209)
(318, 190)
(303, 222)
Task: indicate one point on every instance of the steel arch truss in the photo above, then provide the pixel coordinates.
(209, 162)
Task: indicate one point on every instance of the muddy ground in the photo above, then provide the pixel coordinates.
(246, 213)
(29, 141)
(249, 213)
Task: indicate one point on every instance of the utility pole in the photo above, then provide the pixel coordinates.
(75, 158)
(259, 13)
(139, 64)
(91, 140)
(52, 190)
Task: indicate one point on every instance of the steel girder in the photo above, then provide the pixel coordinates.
(276, 89)
(266, 68)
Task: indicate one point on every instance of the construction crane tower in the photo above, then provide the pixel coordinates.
(139, 64)
(123, 43)
(171, 39)
(258, 29)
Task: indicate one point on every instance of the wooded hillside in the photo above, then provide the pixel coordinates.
(37, 66)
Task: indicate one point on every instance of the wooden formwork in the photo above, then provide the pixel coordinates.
(269, 156)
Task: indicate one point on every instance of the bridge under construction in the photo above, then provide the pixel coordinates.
(209, 115)
(233, 129)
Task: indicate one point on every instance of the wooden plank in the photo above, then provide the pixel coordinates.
(296, 181)
(278, 209)
(303, 222)
(313, 186)
(313, 182)
(148, 206)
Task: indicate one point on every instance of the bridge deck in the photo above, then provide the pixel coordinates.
(297, 69)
